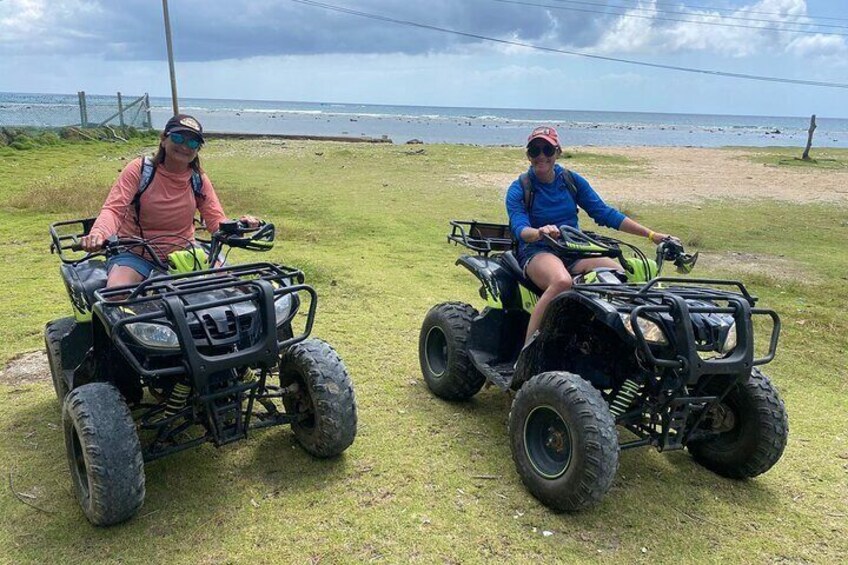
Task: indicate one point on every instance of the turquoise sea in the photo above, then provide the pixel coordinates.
(432, 124)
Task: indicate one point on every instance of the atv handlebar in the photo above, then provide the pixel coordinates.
(233, 233)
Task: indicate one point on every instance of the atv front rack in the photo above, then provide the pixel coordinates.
(481, 237)
(175, 300)
(656, 298)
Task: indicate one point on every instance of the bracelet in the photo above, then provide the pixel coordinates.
(651, 235)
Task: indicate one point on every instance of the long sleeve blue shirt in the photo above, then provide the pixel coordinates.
(553, 204)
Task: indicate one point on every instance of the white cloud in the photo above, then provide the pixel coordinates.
(828, 49)
(743, 33)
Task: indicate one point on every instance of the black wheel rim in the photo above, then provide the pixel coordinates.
(79, 467)
(547, 442)
(436, 351)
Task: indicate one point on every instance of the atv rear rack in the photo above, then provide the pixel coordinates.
(176, 299)
(481, 237)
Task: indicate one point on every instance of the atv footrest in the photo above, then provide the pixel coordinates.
(499, 374)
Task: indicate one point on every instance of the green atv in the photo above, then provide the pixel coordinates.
(668, 359)
(204, 352)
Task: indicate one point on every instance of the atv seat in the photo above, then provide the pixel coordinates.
(511, 264)
(83, 279)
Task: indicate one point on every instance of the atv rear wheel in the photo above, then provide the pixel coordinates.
(563, 441)
(321, 395)
(104, 454)
(443, 352)
(54, 332)
(757, 430)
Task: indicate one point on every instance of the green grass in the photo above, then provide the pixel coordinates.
(367, 224)
(820, 158)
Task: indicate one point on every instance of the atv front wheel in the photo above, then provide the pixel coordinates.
(563, 441)
(753, 429)
(443, 352)
(54, 332)
(321, 395)
(104, 454)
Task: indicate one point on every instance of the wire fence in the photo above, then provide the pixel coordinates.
(80, 110)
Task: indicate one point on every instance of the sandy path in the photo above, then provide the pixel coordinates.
(690, 174)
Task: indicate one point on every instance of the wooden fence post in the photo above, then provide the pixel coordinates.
(147, 109)
(806, 155)
(83, 110)
(120, 111)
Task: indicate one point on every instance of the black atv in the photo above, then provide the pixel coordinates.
(183, 358)
(669, 360)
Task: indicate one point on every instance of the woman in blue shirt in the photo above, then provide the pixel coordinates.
(554, 204)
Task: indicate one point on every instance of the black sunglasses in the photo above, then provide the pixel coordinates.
(534, 150)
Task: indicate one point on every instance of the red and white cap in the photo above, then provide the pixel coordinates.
(548, 133)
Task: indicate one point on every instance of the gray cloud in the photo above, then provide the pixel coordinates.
(214, 30)
(210, 30)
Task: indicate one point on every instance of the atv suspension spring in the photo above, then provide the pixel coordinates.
(177, 399)
(624, 399)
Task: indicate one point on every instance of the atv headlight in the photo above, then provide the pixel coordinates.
(729, 340)
(651, 331)
(155, 336)
(282, 308)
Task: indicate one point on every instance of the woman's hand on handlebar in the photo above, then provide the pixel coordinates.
(92, 243)
(549, 230)
(658, 237)
(250, 221)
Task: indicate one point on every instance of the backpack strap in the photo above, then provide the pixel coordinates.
(527, 189)
(197, 184)
(530, 194)
(145, 179)
(570, 184)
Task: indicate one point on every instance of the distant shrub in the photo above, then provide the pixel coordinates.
(48, 138)
(22, 142)
(71, 134)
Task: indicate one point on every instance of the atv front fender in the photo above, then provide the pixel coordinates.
(580, 334)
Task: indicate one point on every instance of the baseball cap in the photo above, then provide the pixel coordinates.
(547, 133)
(185, 123)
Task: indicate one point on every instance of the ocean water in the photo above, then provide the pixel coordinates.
(432, 124)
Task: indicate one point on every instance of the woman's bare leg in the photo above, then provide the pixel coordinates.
(121, 275)
(548, 273)
(586, 265)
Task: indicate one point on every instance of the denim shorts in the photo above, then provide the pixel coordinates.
(138, 264)
(533, 249)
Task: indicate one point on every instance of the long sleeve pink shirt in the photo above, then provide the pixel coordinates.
(167, 208)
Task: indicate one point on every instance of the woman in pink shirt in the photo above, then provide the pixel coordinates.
(165, 211)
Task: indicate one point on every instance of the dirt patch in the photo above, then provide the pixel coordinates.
(689, 174)
(693, 174)
(774, 266)
(26, 368)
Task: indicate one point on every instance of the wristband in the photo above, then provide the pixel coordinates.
(651, 235)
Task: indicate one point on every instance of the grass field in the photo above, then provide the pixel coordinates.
(426, 481)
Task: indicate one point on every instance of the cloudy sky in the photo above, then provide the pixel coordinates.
(398, 52)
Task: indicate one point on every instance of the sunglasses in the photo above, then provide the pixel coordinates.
(180, 139)
(535, 150)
